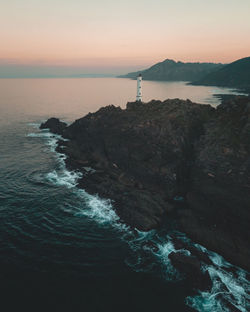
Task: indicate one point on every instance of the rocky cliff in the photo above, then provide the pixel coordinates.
(176, 159)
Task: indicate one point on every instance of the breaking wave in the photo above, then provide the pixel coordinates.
(230, 289)
(150, 249)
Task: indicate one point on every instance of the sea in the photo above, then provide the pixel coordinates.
(62, 249)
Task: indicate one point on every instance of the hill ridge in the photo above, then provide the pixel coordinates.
(171, 70)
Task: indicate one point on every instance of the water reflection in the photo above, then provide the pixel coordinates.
(73, 98)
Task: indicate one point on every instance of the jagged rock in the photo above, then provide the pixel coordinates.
(191, 267)
(178, 243)
(143, 152)
(54, 125)
(202, 256)
(146, 155)
(219, 213)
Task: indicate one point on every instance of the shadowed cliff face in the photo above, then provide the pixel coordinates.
(145, 156)
(219, 194)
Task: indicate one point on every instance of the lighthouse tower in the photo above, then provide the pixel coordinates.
(139, 91)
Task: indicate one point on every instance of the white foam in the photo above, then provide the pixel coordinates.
(93, 207)
(210, 300)
(233, 288)
(137, 239)
(165, 249)
(205, 303)
(63, 178)
(217, 259)
(101, 210)
(44, 134)
(163, 253)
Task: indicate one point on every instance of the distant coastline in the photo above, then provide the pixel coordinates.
(234, 75)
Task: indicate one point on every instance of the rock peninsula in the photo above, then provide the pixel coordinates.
(174, 159)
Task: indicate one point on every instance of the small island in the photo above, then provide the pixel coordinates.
(176, 160)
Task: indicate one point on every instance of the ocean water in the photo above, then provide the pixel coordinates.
(62, 249)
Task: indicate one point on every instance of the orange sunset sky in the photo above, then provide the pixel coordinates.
(113, 36)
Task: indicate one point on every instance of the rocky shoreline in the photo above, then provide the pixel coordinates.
(174, 159)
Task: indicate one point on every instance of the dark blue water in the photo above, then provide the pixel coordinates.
(58, 247)
(63, 249)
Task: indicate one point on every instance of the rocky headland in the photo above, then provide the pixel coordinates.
(170, 70)
(176, 160)
(233, 75)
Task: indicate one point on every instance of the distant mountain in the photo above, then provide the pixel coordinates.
(170, 70)
(234, 75)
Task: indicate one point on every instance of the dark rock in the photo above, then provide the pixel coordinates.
(219, 191)
(191, 267)
(54, 125)
(178, 243)
(150, 153)
(141, 152)
(202, 256)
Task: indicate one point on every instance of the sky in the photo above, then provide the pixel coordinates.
(74, 37)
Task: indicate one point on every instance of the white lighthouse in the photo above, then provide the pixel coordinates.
(139, 91)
